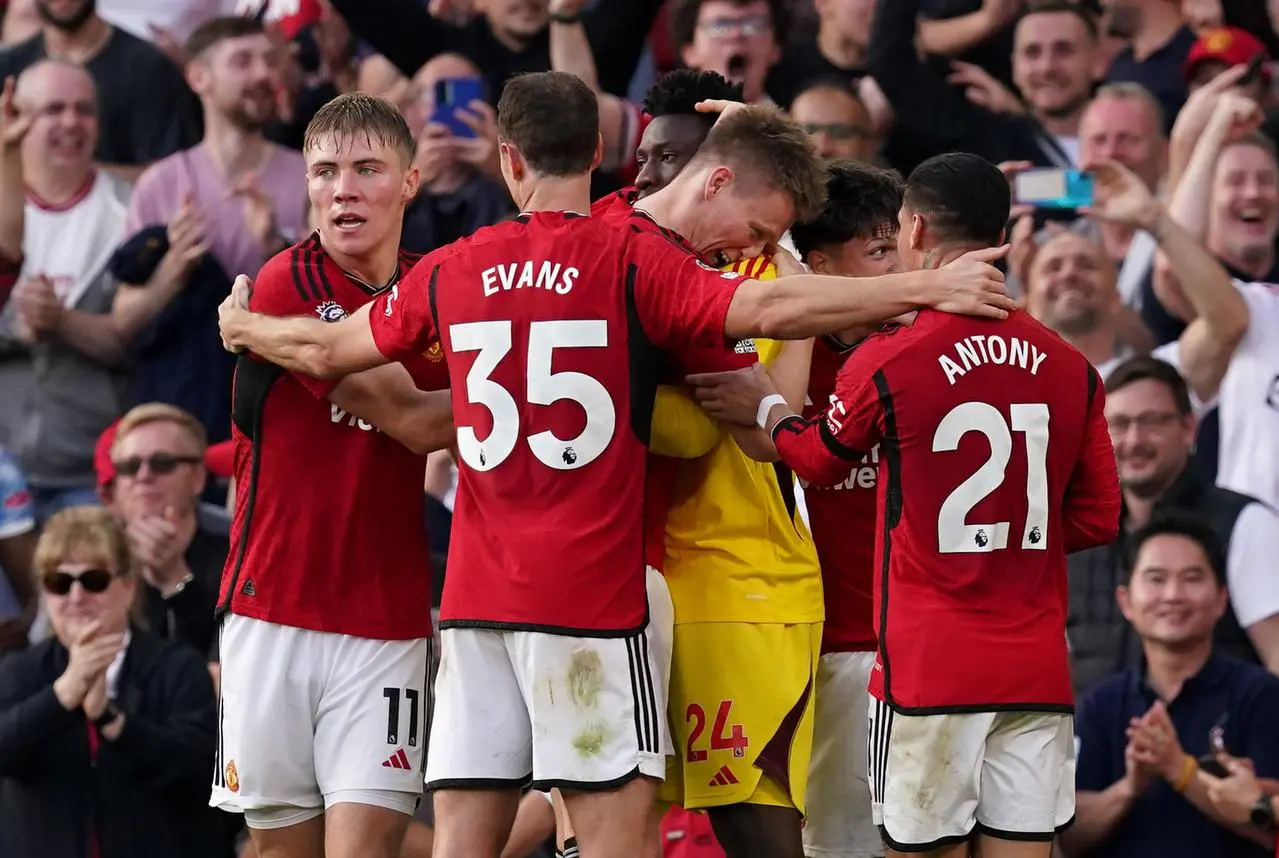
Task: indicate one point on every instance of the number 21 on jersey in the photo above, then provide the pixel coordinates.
(954, 534)
(492, 341)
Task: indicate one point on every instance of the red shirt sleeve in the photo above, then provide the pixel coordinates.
(682, 302)
(821, 449)
(1091, 511)
(276, 293)
(401, 318)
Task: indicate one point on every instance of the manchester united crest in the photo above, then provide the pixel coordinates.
(232, 777)
(435, 353)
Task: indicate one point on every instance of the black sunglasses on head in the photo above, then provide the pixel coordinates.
(92, 580)
(159, 463)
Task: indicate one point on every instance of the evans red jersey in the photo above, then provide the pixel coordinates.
(328, 531)
(841, 519)
(556, 329)
(616, 207)
(994, 463)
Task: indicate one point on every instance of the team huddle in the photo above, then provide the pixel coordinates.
(635, 612)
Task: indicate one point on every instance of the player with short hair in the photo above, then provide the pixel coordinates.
(854, 236)
(325, 600)
(676, 129)
(994, 463)
(553, 326)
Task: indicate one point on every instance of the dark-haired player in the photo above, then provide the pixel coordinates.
(325, 643)
(550, 325)
(994, 462)
(854, 236)
(676, 129)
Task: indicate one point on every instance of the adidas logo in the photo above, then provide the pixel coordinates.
(398, 760)
(247, 589)
(723, 777)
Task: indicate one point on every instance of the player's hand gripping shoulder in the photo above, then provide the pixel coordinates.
(972, 286)
(735, 397)
(298, 343)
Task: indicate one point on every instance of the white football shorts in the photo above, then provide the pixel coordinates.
(516, 707)
(936, 778)
(310, 719)
(839, 823)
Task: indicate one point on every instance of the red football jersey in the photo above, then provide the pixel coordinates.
(841, 519)
(556, 329)
(616, 207)
(994, 464)
(619, 208)
(328, 532)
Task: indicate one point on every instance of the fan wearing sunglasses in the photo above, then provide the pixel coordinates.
(108, 729)
(157, 477)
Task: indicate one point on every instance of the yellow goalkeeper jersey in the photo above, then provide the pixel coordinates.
(736, 547)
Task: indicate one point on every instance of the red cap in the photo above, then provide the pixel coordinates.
(102, 464)
(217, 458)
(1230, 46)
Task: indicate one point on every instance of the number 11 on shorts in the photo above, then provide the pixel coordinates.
(392, 696)
(723, 737)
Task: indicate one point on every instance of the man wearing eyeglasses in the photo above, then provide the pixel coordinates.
(837, 119)
(1152, 426)
(152, 479)
(740, 39)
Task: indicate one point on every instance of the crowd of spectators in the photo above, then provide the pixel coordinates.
(149, 153)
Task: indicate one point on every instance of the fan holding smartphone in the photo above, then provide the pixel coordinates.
(458, 126)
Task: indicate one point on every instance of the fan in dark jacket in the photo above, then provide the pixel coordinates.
(107, 732)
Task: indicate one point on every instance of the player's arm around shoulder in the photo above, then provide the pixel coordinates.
(387, 397)
(257, 317)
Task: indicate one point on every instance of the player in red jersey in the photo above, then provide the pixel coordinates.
(854, 236)
(554, 326)
(994, 463)
(325, 643)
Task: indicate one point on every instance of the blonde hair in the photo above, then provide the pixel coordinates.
(90, 533)
(159, 412)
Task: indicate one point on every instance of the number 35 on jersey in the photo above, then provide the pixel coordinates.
(492, 342)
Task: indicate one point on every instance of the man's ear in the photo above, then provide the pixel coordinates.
(918, 230)
(718, 180)
(817, 262)
(1124, 598)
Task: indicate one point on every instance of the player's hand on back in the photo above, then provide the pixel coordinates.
(232, 313)
(972, 286)
(734, 396)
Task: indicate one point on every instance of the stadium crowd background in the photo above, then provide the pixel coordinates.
(130, 197)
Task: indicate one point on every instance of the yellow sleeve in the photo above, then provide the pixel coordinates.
(681, 429)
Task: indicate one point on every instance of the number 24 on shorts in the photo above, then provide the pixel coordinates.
(722, 737)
